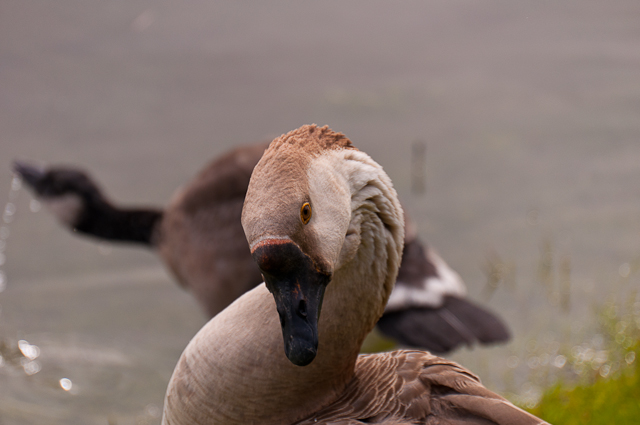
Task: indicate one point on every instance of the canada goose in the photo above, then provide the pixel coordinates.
(200, 239)
(326, 229)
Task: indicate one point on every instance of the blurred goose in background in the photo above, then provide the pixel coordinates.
(200, 239)
(325, 227)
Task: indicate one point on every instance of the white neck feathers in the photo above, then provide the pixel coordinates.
(375, 233)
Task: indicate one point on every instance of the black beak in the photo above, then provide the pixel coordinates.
(298, 289)
(31, 174)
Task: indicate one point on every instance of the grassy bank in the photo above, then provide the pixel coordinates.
(605, 388)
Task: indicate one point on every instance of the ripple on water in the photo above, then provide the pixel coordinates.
(80, 382)
(66, 384)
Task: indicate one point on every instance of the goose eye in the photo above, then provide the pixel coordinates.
(305, 213)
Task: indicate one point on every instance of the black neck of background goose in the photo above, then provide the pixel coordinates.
(102, 220)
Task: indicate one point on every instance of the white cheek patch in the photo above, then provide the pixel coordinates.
(66, 208)
(433, 289)
(330, 203)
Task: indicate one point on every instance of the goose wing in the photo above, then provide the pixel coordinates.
(415, 387)
(428, 307)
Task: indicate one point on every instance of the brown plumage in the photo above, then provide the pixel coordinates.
(415, 387)
(242, 367)
(200, 237)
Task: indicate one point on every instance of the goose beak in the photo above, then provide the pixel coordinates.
(32, 175)
(298, 289)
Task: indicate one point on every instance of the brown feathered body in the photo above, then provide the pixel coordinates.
(201, 238)
(415, 387)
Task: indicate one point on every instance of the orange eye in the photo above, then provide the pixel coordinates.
(305, 213)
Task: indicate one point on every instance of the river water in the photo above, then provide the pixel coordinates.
(529, 111)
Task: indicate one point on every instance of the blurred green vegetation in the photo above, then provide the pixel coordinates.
(606, 386)
(607, 401)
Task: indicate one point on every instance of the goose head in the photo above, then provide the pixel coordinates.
(65, 191)
(295, 217)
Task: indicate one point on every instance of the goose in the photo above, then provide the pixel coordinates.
(325, 227)
(200, 239)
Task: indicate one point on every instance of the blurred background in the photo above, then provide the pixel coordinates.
(510, 129)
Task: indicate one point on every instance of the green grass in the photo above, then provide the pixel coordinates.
(606, 401)
(606, 393)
